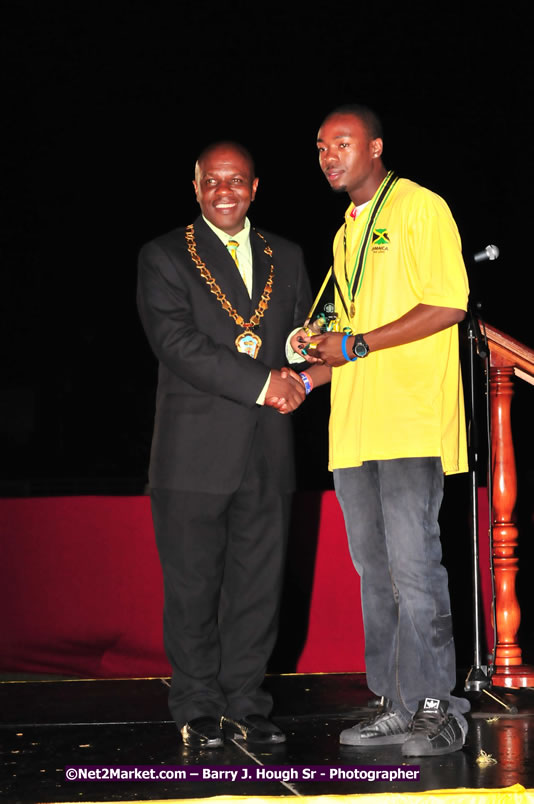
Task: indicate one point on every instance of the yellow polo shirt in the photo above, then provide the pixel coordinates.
(405, 401)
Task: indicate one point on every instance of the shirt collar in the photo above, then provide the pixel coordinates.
(242, 237)
(353, 211)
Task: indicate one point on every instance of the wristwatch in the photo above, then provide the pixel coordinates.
(360, 348)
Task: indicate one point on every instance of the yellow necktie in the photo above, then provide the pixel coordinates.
(232, 247)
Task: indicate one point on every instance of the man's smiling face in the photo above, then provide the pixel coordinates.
(225, 187)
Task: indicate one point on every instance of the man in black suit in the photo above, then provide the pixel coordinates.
(221, 468)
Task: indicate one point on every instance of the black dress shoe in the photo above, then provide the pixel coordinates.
(253, 729)
(203, 732)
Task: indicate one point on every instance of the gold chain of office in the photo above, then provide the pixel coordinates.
(216, 290)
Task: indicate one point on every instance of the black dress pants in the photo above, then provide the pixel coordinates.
(222, 557)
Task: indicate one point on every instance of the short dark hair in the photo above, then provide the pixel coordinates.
(369, 118)
(229, 144)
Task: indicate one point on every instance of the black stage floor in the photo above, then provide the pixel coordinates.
(48, 725)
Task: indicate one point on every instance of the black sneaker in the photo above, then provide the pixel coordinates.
(253, 729)
(433, 731)
(385, 727)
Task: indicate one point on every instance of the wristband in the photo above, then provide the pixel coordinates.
(344, 349)
(307, 380)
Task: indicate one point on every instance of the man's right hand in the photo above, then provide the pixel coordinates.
(285, 393)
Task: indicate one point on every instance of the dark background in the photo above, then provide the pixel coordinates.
(106, 107)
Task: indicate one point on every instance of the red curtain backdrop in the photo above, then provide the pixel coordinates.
(81, 589)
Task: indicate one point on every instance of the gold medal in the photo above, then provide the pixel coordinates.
(248, 343)
(352, 310)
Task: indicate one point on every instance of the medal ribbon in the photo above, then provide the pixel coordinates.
(381, 196)
(329, 275)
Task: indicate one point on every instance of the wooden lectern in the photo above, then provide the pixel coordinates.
(508, 359)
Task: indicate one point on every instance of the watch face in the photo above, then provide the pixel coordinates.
(360, 348)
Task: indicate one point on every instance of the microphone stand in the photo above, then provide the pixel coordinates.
(479, 676)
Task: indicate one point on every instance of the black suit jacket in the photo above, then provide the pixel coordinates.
(206, 411)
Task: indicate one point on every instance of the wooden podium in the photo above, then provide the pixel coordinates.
(508, 359)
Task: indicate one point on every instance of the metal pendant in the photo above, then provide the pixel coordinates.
(248, 343)
(352, 310)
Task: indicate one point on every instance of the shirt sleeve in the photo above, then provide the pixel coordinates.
(291, 355)
(263, 393)
(439, 270)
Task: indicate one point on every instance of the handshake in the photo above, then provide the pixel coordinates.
(323, 348)
(286, 390)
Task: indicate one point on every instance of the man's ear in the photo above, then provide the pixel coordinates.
(254, 188)
(377, 146)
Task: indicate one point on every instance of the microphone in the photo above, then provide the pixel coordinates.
(489, 253)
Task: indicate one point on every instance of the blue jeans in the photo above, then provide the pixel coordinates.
(391, 512)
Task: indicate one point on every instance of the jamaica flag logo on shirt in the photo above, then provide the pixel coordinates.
(380, 242)
(380, 237)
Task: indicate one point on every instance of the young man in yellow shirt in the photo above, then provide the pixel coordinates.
(396, 427)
